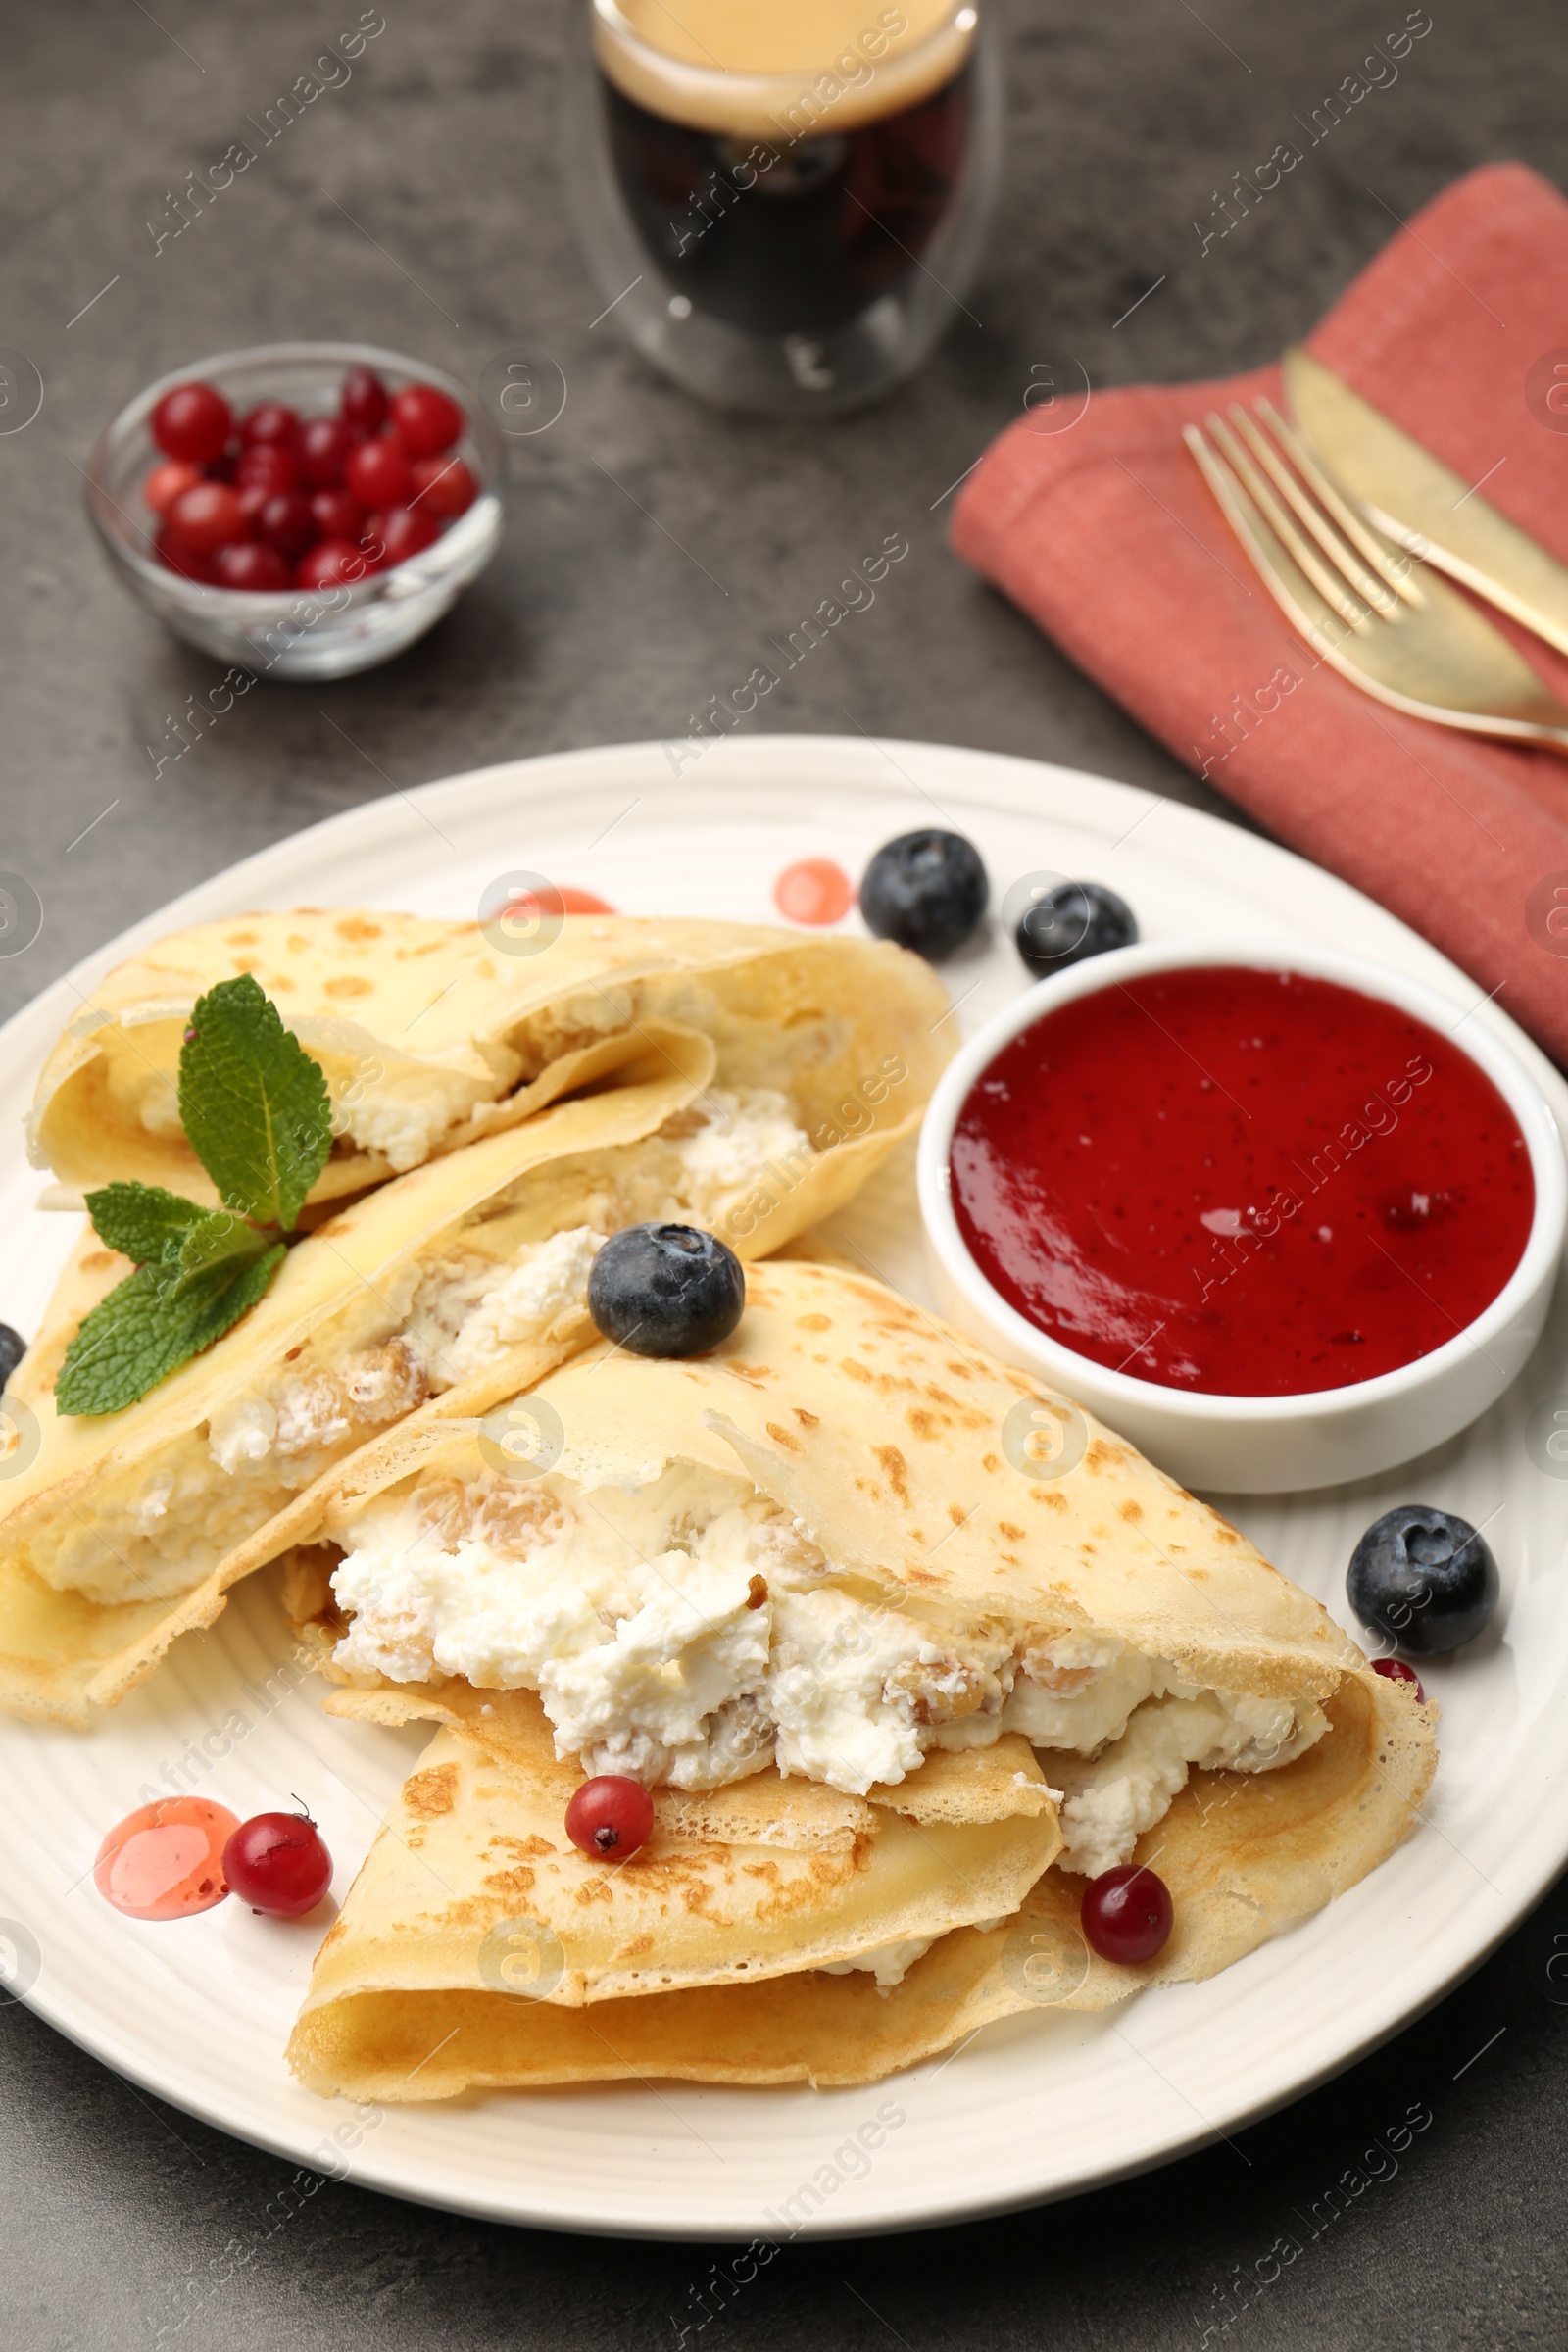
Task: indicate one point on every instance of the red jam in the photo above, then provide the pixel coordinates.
(814, 890)
(165, 1861)
(1248, 1182)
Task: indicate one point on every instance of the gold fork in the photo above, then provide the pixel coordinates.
(1374, 612)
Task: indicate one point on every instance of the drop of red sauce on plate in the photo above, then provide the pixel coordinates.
(813, 891)
(580, 902)
(165, 1861)
(556, 897)
(1246, 1183)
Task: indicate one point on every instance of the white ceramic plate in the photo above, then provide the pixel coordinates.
(197, 2011)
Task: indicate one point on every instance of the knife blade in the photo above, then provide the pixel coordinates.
(1417, 501)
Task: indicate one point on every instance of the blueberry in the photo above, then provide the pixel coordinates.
(13, 1347)
(927, 890)
(1424, 1578)
(1075, 920)
(666, 1289)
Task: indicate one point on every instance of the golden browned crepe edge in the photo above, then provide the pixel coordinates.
(1365, 1782)
(70, 1095)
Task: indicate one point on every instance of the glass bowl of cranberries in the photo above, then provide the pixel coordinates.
(302, 510)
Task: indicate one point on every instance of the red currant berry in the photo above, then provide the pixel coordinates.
(192, 421)
(269, 463)
(1394, 1670)
(206, 517)
(287, 523)
(269, 422)
(165, 482)
(189, 562)
(323, 445)
(442, 486)
(1127, 1914)
(249, 564)
(406, 531)
(277, 1862)
(338, 515)
(609, 1817)
(425, 420)
(377, 472)
(333, 564)
(362, 402)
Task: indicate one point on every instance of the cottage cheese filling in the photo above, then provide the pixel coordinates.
(691, 1633)
(515, 1270)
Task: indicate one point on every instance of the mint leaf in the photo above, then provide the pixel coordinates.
(156, 1320)
(255, 1105)
(217, 1239)
(142, 1222)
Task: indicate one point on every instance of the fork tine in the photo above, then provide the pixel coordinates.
(1329, 583)
(1256, 540)
(1369, 585)
(1399, 576)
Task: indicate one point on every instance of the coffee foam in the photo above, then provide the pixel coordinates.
(781, 70)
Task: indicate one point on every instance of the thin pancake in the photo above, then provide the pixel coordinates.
(1244, 1857)
(474, 1844)
(433, 1034)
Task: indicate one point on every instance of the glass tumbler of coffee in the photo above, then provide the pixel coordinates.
(785, 201)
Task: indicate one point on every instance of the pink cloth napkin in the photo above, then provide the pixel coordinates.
(1105, 533)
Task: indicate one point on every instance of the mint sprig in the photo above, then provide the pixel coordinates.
(257, 1116)
(254, 1104)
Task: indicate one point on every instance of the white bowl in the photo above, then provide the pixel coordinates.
(1263, 1445)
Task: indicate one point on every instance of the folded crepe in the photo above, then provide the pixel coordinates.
(474, 1885)
(437, 1295)
(434, 1034)
(827, 1554)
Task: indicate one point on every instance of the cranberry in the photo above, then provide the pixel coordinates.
(1127, 1914)
(165, 1861)
(252, 499)
(405, 531)
(609, 1817)
(331, 563)
(1394, 1670)
(189, 562)
(250, 565)
(323, 444)
(287, 523)
(269, 422)
(362, 402)
(224, 467)
(269, 464)
(442, 486)
(192, 421)
(206, 517)
(277, 1862)
(377, 472)
(165, 482)
(338, 515)
(425, 420)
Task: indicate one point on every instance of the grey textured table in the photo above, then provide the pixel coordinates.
(421, 206)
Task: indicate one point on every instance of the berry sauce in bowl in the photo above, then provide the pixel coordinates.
(1263, 1212)
(1249, 1182)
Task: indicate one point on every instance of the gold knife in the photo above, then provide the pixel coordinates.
(1407, 493)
